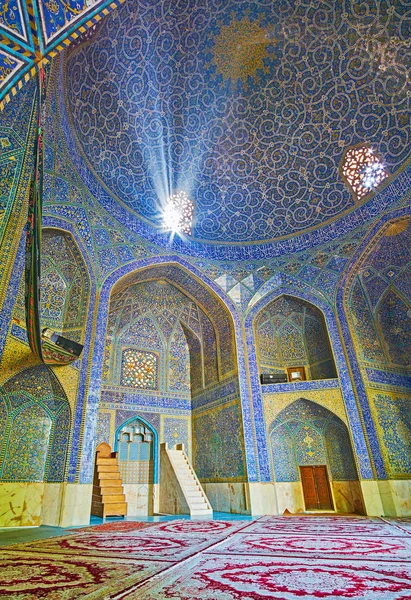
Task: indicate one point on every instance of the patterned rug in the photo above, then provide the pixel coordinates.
(380, 549)
(32, 576)
(115, 526)
(403, 523)
(321, 517)
(249, 578)
(186, 527)
(171, 547)
(283, 558)
(296, 526)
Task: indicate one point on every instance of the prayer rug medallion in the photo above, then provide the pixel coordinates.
(321, 518)
(170, 547)
(252, 578)
(188, 527)
(115, 527)
(322, 526)
(38, 576)
(379, 549)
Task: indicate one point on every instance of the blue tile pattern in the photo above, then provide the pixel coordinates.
(240, 142)
(360, 444)
(306, 433)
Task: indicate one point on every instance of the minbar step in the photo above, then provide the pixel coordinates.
(109, 490)
(106, 461)
(106, 476)
(107, 469)
(113, 498)
(115, 508)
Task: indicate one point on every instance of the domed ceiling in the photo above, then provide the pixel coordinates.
(247, 106)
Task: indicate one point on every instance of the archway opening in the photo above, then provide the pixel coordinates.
(170, 355)
(292, 341)
(135, 444)
(377, 301)
(310, 451)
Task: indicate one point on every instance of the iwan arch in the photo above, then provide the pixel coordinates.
(273, 279)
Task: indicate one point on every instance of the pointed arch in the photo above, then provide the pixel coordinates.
(39, 426)
(149, 426)
(220, 309)
(313, 436)
(344, 380)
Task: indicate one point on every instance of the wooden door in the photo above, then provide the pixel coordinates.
(316, 487)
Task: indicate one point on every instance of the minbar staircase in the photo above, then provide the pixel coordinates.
(108, 495)
(192, 495)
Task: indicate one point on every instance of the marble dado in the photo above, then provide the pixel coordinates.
(20, 504)
(34, 504)
(389, 498)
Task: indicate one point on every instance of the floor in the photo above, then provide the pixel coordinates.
(294, 557)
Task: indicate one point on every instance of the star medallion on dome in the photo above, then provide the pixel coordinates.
(240, 49)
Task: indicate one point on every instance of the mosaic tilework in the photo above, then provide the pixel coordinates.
(37, 426)
(392, 379)
(290, 332)
(17, 130)
(221, 392)
(57, 15)
(382, 246)
(103, 428)
(157, 315)
(65, 287)
(175, 431)
(390, 195)
(245, 126)
(393, 414)
(58, 447)
(178, 362)
(12, 18)
(10, 67)
(121, 416)
(312, 436)
(361, 449)
(380, 302)
(28, 438)
(82, 448)
(218, 444)
(394, 318)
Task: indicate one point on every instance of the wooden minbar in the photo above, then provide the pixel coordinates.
(108, 494)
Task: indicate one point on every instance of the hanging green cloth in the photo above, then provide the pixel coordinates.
(47, 345)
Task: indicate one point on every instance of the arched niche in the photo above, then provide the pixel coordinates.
(378, 299)
(291, 334)
(136, 445)
(65, 287)
(377, 305)
(35, 427)
(307, 435)
(191, 331)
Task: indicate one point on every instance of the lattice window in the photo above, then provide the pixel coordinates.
(178, 214)
(139, 369)
(363, 170)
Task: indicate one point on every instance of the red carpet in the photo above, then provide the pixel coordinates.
(380, 549)
(251, 578)
(282, 558)
(115, 526)
(322, 526)
(172, 547)
(28, 576)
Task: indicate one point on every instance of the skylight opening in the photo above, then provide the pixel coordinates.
(363, 170)
(178, 213)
